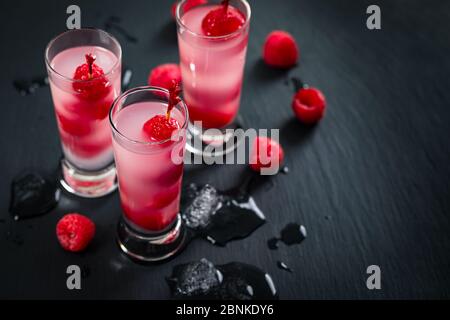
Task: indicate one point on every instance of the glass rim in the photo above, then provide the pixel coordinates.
(229, 35)
(140, 89)
(114, 67)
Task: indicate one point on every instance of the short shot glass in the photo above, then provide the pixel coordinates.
(82, 105)
(150, 175)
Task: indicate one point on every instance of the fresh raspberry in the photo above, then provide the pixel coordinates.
(75, 231)
(188, 5)
(280, 50)
(264, 154)
(309, 105)
(222, 21)
(160, 128)
(163, 75)
(92, 83)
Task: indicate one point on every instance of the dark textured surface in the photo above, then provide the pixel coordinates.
(371, 182)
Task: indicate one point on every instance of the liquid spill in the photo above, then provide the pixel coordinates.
(292, 233)
(272, 243)
(231, 281)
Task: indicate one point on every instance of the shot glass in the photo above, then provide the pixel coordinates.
(82, 98)
(150, 175)
(212, 69)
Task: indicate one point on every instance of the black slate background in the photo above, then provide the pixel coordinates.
(370, 182)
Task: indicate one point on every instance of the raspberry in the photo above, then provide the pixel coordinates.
(222, 21)
(92, 83)
(174, 96)
(75, 231)
(188, 5)
(163, 75)
(280, 50)
(160, 128)
(309, 105)
(264, 154)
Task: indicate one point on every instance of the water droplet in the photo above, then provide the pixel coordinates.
(283, 266)
(284, 170)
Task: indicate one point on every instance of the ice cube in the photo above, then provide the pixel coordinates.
(204, 205)
(32, 195)
(194, 279)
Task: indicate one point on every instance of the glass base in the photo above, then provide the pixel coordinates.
(213, 142)
(146, 247)
(88, 184)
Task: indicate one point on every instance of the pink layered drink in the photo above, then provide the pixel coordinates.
(212, 58)
(82, 105)
(149, 170)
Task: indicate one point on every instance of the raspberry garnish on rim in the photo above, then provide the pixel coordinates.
(174, 97)
(161, 127)
(222, 21)
(90, 58)
(93, 82)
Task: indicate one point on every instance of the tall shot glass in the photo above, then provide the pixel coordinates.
(82, 98)
(150, 175)
(212, 70)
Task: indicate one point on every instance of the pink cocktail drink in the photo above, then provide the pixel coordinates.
(84, 68)
(82, 114)
(212, 63)
(149, 161)
(149, 175)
